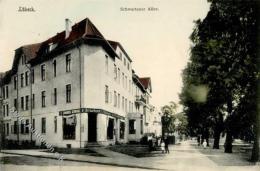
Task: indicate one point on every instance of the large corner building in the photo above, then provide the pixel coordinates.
(76, 88)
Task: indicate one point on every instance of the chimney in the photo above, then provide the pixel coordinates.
(67, 28)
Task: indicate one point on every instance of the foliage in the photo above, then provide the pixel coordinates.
(170, 117)
(223, 58)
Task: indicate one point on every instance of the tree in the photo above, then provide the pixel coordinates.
(222, 58)
(168, 119)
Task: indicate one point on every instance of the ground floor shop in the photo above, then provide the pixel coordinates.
(75, 128)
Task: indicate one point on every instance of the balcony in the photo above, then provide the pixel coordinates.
(140, 100)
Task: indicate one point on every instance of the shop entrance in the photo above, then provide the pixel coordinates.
(92, 127)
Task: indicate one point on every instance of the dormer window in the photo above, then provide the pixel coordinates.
(52, 46)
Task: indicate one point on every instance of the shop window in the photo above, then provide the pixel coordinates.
(122, 130)
(69, 127)
(132, 128)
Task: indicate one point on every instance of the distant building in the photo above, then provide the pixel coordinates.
(75, 88)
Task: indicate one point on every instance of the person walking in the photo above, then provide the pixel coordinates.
(204, 144)
(162, 146)
(166, 141)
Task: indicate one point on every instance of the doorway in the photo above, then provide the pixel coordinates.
(92, 127)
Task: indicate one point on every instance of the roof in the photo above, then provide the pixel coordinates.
(146, 81)
(82, 32)
(5, 77)
(84, 29)
(30, 51)
(115, 44)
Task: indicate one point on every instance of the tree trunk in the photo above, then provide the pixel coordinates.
(228, 142)
(255, 150)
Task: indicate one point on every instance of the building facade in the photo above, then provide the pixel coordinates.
(75, 88)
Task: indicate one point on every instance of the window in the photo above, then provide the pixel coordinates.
(69, 127)
(118, 73)
(122, 130)
(128, 65)
(132, 126)
(27, 126)
(7, 110)
(54, 68)
(7, 128)
(68, 93)
(15, 104)
(3, 91)
(26, 78)
(125, 81)
(106, 94)
(106, 64)
(55, 124)
(43, 125)
(123, 103)
(115, 72)
(26, 102)
(43, 99)
(68, 62)
(32, 76)
(4, 110)
(124, 62)
(141, 125)
(22, 103)
(7, 91)
(129, 85)
(55, 96)
(110, 129)
(118, 99)
(15, 82)
(129, 106)
(43, 69)
(33, 101)
(115, 99)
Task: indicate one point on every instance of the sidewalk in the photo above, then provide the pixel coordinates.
(182, 157)
(114, 159)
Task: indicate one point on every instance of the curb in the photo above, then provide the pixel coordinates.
(87, 161)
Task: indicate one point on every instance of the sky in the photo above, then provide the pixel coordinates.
(157, 41)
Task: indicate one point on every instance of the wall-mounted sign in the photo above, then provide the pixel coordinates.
(89, 110)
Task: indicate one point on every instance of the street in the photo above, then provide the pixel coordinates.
(186, 156)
